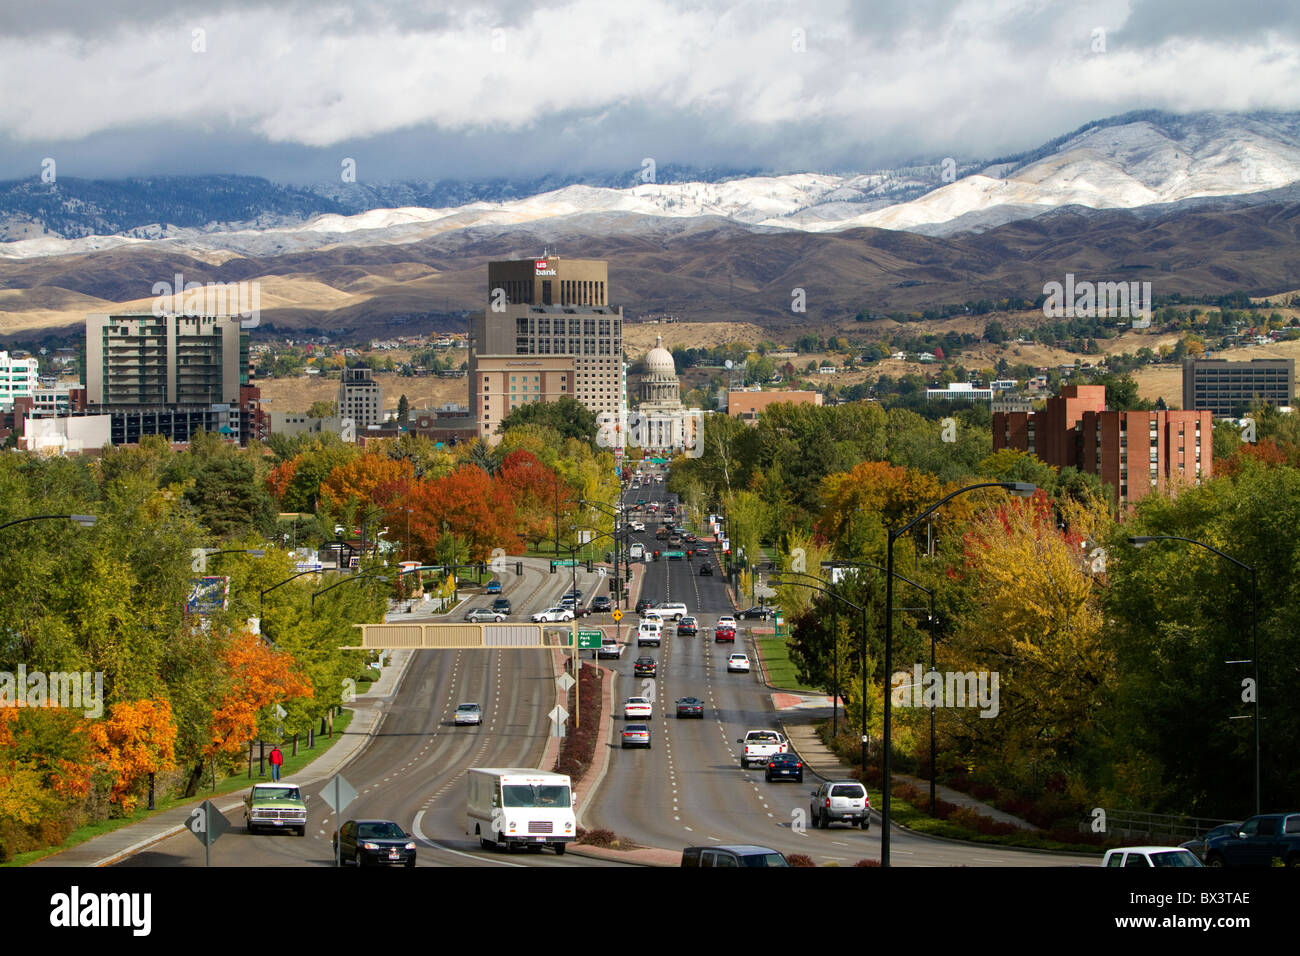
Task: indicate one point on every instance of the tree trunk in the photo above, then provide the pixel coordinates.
(196, 777)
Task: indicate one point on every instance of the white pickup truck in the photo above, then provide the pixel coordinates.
(760, 745)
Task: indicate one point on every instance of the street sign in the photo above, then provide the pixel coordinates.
(338, 794)
(617, 615)
(589, 640)
(207, 823)
(565, 682)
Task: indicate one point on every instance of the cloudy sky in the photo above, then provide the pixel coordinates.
(409, 89)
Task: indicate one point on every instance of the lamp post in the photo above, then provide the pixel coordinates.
(1019, 488)
(84, 521)
(350, 580)
(777, 581)
(1144, 540)
(930, 620)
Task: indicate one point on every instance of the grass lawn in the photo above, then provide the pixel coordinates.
(780, 669)
(232, 784)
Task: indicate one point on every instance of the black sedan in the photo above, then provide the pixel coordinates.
(645, 667)
(375, 842)
(785, 766)
(644, 603)
(760, 613)
(690, 707)
(706, 570)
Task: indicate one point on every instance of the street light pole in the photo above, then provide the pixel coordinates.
(1021, 488)
(1141, 541)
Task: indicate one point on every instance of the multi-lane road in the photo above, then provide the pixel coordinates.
(688, 788)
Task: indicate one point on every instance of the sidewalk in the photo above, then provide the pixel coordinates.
(368, 710)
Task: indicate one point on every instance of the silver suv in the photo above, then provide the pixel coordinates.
(840, 801)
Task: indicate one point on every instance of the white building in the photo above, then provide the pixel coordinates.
(661, 423)
(18, 379)
(959, 392)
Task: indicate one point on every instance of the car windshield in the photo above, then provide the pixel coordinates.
(763, 738)
(380, 831)
(277, 793)
(1174, 858)
(527, 795)
(763, 859)
(468, 707)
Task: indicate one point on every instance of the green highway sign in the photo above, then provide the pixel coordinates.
(674, 555)
(564, 563)
(589, 640)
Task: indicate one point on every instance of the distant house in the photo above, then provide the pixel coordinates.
(899, 356)
(925, 357)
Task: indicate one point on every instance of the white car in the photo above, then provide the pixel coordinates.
(650, 632)
(637, 708)
(675, 610)
(468, 714)
(1149, 856)
(727, 621)
(637, 551)
(636, 525)
(553, 614)
(738, 664)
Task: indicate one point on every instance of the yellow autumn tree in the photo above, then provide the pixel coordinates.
(1035, 622)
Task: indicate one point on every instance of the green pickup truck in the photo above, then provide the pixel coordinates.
(275, 806)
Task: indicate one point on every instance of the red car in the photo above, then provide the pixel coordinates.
(724, 632)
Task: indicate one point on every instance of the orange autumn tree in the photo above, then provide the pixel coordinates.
(135, 740)
(531, 486)
(476, 509)
(359, 480)
(280, 477)
(257, 677)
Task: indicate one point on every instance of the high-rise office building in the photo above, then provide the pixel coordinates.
(360, 398)
(1227, 389)
(169, 375)
(557, 313)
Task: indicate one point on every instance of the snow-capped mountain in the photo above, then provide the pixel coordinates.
(1128, 162)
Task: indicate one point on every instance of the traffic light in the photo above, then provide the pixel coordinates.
(690, 554)
(552, 567)
(519, 568)
(656, 555)
(589, 568)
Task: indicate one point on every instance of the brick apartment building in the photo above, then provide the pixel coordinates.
(1133, 452)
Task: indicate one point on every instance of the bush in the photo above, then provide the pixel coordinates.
(603, 838)
(867, 863)
(799, 859)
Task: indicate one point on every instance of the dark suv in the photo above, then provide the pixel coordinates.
(741, 856)
(1260, 840)
(501, 605)
(644, 603)
(600, 604)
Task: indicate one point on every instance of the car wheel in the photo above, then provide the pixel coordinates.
(866, 823)
(410, 862)
(559, 849)
(823, 822)
(1214, 860)
(302, 831)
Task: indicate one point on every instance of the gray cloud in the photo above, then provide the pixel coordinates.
(419, 90)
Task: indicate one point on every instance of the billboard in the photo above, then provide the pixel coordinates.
(207, 595)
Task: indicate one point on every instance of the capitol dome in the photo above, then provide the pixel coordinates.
(659, 361)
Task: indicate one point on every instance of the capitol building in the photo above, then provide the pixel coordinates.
(660, 423)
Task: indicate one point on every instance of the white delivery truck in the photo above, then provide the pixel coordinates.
(519, 806)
